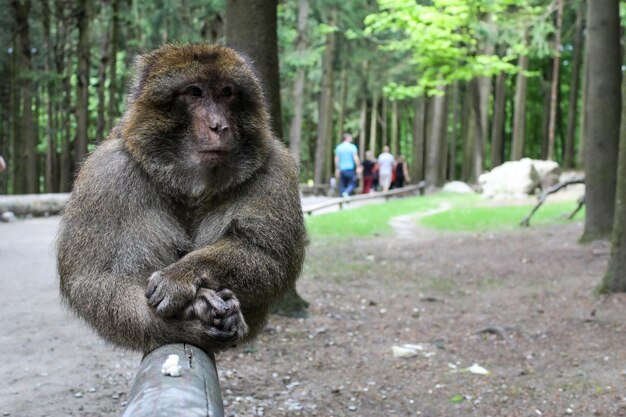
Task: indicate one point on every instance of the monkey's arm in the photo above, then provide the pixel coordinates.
(260, 254)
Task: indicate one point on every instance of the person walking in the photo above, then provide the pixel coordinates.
(385, 161)
(402, 172)
(368, 171)
(347, 165)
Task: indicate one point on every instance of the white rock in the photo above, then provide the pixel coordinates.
(406, 350)
(477, 369)
(548, 171)
(457, 187)
(513, 179)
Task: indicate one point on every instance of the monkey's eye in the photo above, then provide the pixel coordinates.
(193, 91)
(226, 91)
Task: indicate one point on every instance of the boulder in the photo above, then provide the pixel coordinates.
(511, 179)
(549, 172)
(457, 187)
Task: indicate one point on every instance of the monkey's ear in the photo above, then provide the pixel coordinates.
(141, 68)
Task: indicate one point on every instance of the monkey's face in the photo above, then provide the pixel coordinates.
(197, 115)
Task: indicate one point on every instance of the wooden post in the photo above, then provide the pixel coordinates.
(196, 392)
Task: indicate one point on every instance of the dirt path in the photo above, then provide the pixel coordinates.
(405, 227)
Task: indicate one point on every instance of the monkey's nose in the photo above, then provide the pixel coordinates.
(218, 128)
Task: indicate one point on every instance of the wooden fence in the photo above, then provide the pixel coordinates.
(341, 201)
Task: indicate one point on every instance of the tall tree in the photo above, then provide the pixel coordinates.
(602, 114)
(295, 132)
(568, 154)
(82, 81)
(519, 115)
(615, 278)
(556, 65)
(26, 175)
(323, 147)
(436, 141)
(251, 28)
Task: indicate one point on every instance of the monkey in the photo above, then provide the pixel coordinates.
(185, 224)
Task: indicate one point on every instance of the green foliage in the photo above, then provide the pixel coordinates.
(451, 40)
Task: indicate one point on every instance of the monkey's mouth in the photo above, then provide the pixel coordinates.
(213, 154)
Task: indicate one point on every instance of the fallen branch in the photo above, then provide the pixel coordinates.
(544, 195)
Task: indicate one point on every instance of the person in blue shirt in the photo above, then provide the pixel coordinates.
(347, 165)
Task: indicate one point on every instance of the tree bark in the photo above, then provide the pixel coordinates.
(362, 127)
(519, 117)
(436, 142)
(251, 29)
(113, 110)
(27, 162)
(497, 127)
(615, 278)
(418, 140)
(602, 122)
(556, 65)
(395, 147)
(343, 101)
(295, 131)
(568, 157)
(102, 72)
(82, 83)
(323, 151)
(373, 122)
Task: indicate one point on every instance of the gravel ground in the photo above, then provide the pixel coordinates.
(519, 304)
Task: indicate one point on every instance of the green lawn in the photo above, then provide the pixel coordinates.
(467, 213)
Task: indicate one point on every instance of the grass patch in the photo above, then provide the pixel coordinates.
(468, 213)
(482, 218)
(372, 220)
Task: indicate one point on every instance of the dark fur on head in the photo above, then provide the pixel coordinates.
(156, 126)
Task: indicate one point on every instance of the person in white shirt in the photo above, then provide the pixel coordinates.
(385, 162)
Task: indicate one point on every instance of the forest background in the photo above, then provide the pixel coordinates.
(456, 86)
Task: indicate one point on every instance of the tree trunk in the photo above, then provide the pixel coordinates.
(556, 65)
(295, 132)
(453, 133)
(102, 72)
(113, 110)
(384, 113)
(418, 140)
(436, 141)
(343, 102)
(251, 29)
(481, 90)
(615, 278)
(568, 157)
(602, 116)
(519, 116)
(362, 127)
(395, 148)
(50, 92)
(27, 162)
(373, 120)
(82, 83)
(497, 127)
(323, 149)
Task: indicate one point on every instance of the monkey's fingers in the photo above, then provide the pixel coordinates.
(219, 306)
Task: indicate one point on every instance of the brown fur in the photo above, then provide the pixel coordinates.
(185, 225)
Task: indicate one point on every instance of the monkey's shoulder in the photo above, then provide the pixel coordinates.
(111, 169)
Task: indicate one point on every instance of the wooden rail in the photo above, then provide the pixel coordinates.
(195, 393)
(340, 201)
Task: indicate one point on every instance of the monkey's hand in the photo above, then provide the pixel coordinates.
(221, 312)
(169, 293)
